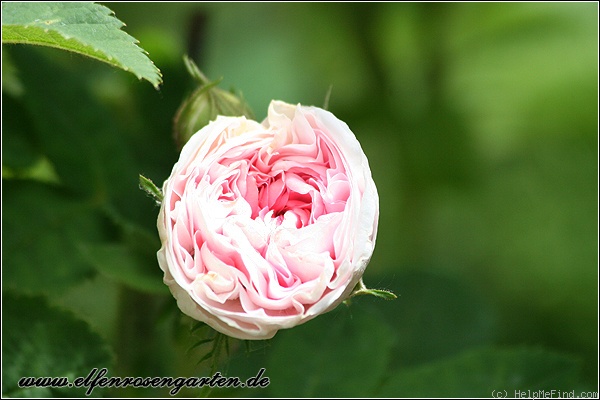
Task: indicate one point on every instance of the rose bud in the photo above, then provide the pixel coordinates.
(266, 226)
(203, 106)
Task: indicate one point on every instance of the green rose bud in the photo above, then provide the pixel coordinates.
(204, 104)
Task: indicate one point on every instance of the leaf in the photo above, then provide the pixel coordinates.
(18, 148)
(85, 28)
(132, 261)
(361, 290)
(149, 187)
(43, 341)
(46, 228)
(41, 170)
(10, 80)
(480, 372)
(384, 294)
(74, 130)
(341, 354)
(123, 265)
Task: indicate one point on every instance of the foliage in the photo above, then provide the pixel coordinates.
(45, 341)
(85, 28)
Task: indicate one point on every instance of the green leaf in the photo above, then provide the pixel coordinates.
(10, 79)
(480, 372)
(42, 171)
(195, 72)
(18, 145)
(132, 261)
(46, 228)
(43, 341)
(74, 130)
(383, 294)
(344, 353)
(149, 187)
(361, 290)
(121, 263)
(85, 28)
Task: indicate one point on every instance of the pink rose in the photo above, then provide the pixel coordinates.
(265, 226)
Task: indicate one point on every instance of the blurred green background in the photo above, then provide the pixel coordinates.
(480, 122)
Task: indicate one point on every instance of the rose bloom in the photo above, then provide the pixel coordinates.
(265, 226)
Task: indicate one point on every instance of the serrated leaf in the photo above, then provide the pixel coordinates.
(86, 28)
(43, 341)
(484, 372)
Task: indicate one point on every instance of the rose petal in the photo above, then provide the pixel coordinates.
(265, 226)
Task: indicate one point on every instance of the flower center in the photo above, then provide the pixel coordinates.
(298, 196)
